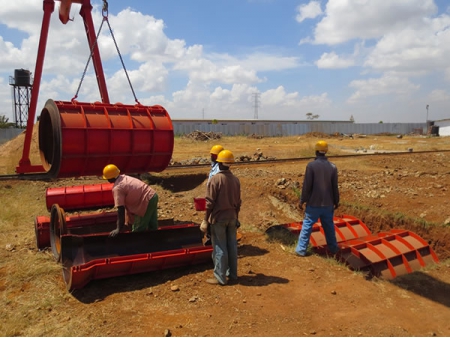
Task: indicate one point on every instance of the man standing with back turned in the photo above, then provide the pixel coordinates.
(320, 192)
(223, 203)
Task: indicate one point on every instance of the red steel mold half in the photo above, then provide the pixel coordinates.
(80, 197)
(387, 254)
(79, 139)
(83, 246)
(89, 257)
(87, 223)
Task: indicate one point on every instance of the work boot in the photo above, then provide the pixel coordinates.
(213, 281)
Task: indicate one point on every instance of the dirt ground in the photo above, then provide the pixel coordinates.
(278, 293)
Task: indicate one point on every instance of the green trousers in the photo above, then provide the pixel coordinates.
(150, 220)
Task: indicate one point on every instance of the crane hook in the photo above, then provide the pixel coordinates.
(105, 9)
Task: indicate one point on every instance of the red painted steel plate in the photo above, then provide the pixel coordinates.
(89, 257)
(388, 254)
(80, 197)
(80, 139)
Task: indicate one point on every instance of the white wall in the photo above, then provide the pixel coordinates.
(444, 127)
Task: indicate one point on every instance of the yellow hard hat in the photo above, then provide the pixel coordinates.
(322, 146)
(110, 171)
(225, 156)
(215, 150)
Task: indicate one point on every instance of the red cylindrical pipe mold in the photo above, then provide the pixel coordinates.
(42, 231)
(78, 197)
(92, 223)
(79, 139)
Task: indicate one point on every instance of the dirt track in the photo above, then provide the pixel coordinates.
(278, 294)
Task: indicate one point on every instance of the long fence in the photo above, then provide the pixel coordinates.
(281, 128)
(8, 134)
(274, 128)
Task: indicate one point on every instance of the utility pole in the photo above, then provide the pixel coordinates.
(428, 106)
(256, 104)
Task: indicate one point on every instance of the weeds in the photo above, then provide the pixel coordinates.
(297, 192)
(389, 219)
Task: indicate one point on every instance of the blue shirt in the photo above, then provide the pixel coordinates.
(214, 170)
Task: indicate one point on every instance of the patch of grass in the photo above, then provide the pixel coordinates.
(397, 218)
(281, 235)
(297, 192)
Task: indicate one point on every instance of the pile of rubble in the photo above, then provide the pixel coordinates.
(257, 156)
(255, 136)
(192, 161)
(203, 136)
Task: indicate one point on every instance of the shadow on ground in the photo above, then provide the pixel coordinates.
(426, 286)
(98, 290)
(178, 183)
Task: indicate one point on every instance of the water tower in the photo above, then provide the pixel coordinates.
(21, 94)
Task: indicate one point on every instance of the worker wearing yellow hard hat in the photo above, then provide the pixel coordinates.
(215, 150)
(223, 203)
(320, 192)
(135, 200)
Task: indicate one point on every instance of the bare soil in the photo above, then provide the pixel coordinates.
(278, 294)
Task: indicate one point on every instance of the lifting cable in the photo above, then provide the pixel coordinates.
(105, 18)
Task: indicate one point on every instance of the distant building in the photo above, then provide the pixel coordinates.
(444, 127)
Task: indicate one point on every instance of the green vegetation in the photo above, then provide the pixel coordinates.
(311, 116)
(4, 122)
(384, 219)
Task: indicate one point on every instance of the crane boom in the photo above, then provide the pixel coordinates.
(64, 11)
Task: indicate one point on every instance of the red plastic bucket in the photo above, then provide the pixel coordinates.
(200, 203)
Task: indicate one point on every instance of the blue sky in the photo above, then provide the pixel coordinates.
(367, 59)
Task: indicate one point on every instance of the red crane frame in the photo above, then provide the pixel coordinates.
(25, 165)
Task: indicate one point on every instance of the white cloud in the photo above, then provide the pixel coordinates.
(142, 36)
(21, 15)
(396, 44)
(12, 57)
(387, 84)
(413, 50)
(223, 68)
(369, 19)
(278, 96)
(308, 11)
(257, 61)
(439, 95)
(333, 61)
